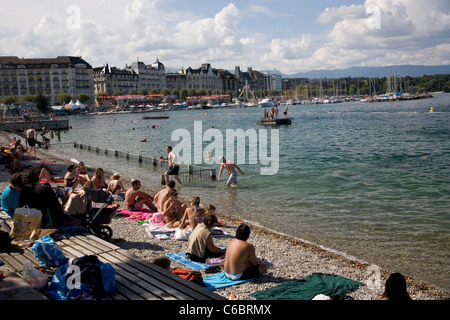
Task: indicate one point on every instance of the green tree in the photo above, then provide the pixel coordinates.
(8, 100)
(143, 92)
(42, 104)
(192, 93)
(201, 92)
(175, 92)
(83, 97)
(29, 98)
(64, 98)
(165, 92)
(183, 93)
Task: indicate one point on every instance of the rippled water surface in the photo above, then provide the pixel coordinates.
(367, 179)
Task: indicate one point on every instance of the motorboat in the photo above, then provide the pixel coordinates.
(265, 103)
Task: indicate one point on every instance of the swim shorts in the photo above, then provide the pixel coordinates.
(252, 272)
(135, 207)
(232, 179)
(31, 142)
(173, 170)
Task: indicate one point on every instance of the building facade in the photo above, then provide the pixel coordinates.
(49, 77)
(204, 77)
(111, 79)
(150, 76)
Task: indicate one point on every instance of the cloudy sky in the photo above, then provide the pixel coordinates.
(285, 35)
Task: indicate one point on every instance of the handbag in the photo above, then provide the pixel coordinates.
(26, 220)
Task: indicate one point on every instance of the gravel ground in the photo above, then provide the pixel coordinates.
(290, 258)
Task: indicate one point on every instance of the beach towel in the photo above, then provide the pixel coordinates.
(52, 181)
(181, 258)
(220, 280)
(306, 289)
(135, 215)
(160, 232)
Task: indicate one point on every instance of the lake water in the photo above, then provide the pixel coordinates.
(370, 180)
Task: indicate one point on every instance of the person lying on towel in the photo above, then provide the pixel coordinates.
(240, 258)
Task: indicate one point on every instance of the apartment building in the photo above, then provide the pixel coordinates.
(49, 77)
(111, 79)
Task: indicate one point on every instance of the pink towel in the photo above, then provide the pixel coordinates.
(136, 215)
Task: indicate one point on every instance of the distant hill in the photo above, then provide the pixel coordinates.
(374, 72)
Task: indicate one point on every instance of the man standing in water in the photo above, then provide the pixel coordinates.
(31, 139)
(231, 167)
(173, 165)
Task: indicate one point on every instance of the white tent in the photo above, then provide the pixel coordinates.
(78, 105)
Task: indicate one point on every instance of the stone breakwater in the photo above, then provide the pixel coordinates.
(290, 258)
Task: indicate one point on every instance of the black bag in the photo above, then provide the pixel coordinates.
(90, 274)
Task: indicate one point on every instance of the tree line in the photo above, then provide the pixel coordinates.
(363, 86)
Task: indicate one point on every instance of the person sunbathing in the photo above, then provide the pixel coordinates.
(135, 199)
(173, 209)
(241, 262)
(193, 215)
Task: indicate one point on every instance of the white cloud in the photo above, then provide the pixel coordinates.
(410, 32)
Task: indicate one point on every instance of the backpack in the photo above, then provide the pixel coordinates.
(191, 275)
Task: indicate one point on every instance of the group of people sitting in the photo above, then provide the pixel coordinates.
(25, 189)
(240, 257)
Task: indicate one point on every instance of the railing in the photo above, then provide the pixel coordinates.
(192, 174)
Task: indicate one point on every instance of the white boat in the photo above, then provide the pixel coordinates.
(265, 103)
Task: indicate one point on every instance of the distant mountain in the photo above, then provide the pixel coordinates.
(374, 72)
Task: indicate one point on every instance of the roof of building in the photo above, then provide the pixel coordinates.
(61, 61)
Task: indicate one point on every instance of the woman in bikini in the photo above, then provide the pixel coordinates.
(116, 182)
(173, 209)
(99, 179)
(193, 215)
(82, 172)
(71, 179)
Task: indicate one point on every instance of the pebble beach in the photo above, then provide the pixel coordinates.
(290, 258)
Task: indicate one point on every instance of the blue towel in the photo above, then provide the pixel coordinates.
(220, 280)
(180, 257)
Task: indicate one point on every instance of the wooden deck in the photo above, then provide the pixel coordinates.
(136, 278)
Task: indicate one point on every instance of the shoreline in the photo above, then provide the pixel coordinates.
(292, 258)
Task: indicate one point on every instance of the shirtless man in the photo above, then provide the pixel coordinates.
(31, 139)
(240, 258)
(231, 167)
(161, 197)
(135, 199)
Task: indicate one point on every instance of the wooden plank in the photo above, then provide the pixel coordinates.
(102, 242)
(91, 242)
(86, 245)
(121, 278)
(12, 262)
(78, 248)
(31, 256)
(193, 290)
(127, 293)
(139, 278)
(13, 287)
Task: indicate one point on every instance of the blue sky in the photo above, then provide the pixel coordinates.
(285, 35)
